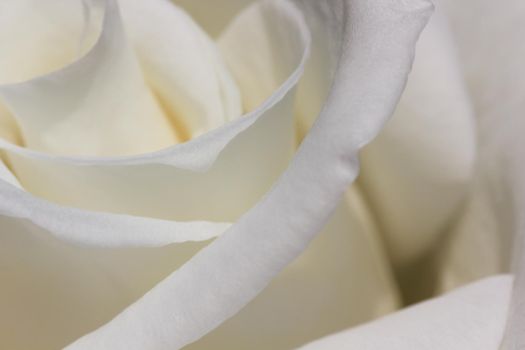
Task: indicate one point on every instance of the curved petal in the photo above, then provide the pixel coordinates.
(7, 176)
(514, 337)
(214, 22)
(375, 60)
(472, 317)
(31, 32)
(98, 228)
(8, 128)
(490, 43)
(182, 65)
(481, 243)
(417, 172)
(187, 182)
(342, 279)
(98, 105)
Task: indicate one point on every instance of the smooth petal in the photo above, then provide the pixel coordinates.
(490, 38)
(214, 22)
(481, 243)
(53, 292)
(342, 279)
(38, 38)
(97, 105)
(182, 65)
(472, 317)
(514, 336)
(8, 128)
(223, 277)
(213, 177)
(418, 171)
(186, 182)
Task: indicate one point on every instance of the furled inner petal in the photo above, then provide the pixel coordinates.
(8, 128)
(182, 65)
(247, 156)
(38, 37)
(98, 105)
(259, 49)
(491, 235)
(102, 104)
(195, 181)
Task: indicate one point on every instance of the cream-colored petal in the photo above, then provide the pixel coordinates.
(214, 177)
(490, 237)
(7, 176)
(182, 65)
(38, 37)
(377, 51)
(417, 172)
(213, 22)
(195, 181)
(98, 228)
(8, 128)
(319, 71)
(342, 279)
(259, 49)
(472, 317)
(53, 292)
(97, 105)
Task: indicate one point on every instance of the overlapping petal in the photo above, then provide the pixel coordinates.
(490, 237)
(185, 182)
(473, 317)
(97, 105)
(183, 66)
(418, 171)
(375, 58)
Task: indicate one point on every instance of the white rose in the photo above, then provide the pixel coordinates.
(130, 139)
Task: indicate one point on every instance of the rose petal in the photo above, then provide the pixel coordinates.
(244, 144)
(417, 172)
(182, 65)
(8, 127)
(223, 277)
(98, 105)
(482, 241)
(259, 50)
(472, 317)
(490, 41)
(342, 279)
(214, 21)
(7, 176)
(53, 292)
(164, 184)
(38, 38)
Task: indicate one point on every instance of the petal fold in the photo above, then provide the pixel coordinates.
(377, 52)
(97, 105)
(472, 317)
(418, 171)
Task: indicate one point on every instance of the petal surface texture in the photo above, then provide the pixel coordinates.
(379, 40)
(418, 171)
(472, 317)
(490, 237)
(96, 105)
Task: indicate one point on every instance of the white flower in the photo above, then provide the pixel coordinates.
(151, 183)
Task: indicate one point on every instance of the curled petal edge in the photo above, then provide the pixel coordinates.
(376, 55)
